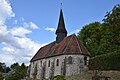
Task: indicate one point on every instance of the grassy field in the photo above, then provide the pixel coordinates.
(115, 75)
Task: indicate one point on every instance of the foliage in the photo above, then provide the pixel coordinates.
(20, 72)
(2, 67)
(102, 38)
(15, 66)
(110, 40)
(90, 36)
(58, 77)
(103, 41)
(109, 61)
(7, 69)
(1, 76)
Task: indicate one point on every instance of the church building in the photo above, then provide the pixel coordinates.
(65, 56)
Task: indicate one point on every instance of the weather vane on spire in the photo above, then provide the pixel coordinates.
(61, 5)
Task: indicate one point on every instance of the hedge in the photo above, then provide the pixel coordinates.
(110, 61)
(58, 77)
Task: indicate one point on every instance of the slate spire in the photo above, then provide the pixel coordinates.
(61, 25)
(61, 31)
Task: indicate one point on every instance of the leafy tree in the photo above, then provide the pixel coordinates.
(103, 38)
(112, 25)
(15, 66)
(1, 76)
(7, 69)
(23, 70)
(110, 40)
(20, 71)
(112, 19)
(90, 35)
(2, 67)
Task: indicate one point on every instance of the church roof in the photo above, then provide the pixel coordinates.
(61, 25)
(70, 45)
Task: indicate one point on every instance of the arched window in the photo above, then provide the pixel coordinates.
(57, 62)
(85, 60)
(49, 63)
(69, 60)
(40, 63)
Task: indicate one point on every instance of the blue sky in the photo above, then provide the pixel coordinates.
(26, 25)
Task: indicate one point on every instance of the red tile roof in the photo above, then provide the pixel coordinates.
(69, 46)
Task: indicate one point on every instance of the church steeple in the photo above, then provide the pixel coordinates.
(61, 31)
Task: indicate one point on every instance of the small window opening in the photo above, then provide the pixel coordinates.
(49, 63)
(41, 63)
(85, 60)
(57, 63)
(69, 60)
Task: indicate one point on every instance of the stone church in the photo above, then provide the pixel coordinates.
(65, 56)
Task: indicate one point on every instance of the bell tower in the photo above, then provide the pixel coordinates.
(61, 31)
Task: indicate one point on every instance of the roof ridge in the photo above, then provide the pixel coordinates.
(78, 44)
(84, 47)
(68, 44)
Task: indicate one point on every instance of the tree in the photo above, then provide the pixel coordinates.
(2, 67)
(110, 41)
(1, 76)
(7, 69)
(19, 72)
(90, 35)
(15, 66)
(112, 25)
(103, 38)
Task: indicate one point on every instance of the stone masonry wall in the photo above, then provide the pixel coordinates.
(47, 70)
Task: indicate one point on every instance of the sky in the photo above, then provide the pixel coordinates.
(27, 25)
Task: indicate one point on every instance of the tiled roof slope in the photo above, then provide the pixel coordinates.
(69, 45)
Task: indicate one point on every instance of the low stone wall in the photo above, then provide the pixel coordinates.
(115, 75)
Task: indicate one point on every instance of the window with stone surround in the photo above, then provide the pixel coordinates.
(85, 60)
(70, 61)
(41, 63)
(49, 63)
(57, 62)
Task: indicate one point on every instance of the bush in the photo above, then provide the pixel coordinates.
(1, 76)
(110, 61)
(58, 77)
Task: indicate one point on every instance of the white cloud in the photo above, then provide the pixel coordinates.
(17, 49)
(16, 46)
(5, 10)
(50, 29)
(3, 29)
(8, 59)
(20, 31)
(33, 25)
(30, 25)
(8, 49)
(27, 49)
